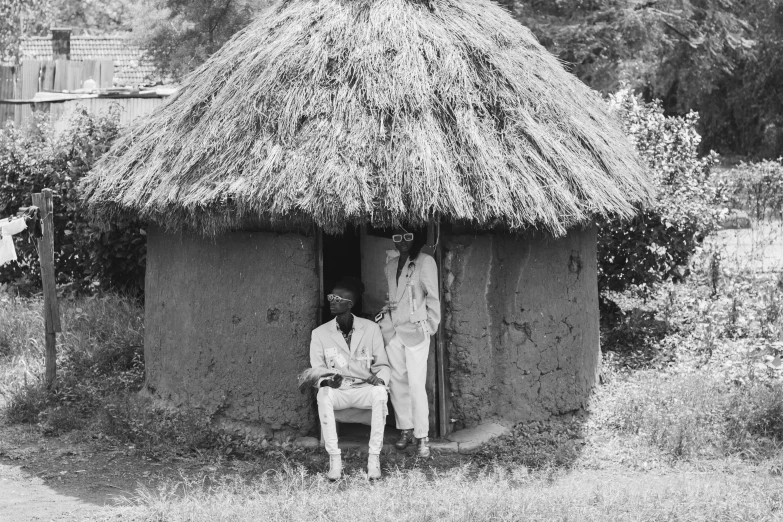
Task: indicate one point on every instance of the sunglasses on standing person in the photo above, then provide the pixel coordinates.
(398, 238)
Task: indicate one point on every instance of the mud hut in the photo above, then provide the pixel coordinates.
(272, 170)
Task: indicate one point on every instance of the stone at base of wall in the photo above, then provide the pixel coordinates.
(306, 442)
(471, 439)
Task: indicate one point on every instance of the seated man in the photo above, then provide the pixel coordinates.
(352, 348)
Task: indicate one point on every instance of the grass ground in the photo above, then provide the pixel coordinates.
(464, 494)
(688, 424)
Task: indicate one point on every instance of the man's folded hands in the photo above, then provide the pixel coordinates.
(375, 380)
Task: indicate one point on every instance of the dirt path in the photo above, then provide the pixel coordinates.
(26, 497)
(62, 480)
(73, 479)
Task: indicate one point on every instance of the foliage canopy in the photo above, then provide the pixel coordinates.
(35, 17)
(180, 35)
(721, 58)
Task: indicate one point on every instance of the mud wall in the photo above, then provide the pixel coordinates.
(521, 325)
(228, 325)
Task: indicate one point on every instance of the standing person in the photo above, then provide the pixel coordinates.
(411, 316)
(350, 349)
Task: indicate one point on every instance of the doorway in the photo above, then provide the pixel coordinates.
(361, 254)
(341, 259)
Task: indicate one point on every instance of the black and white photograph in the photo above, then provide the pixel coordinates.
(391, 260)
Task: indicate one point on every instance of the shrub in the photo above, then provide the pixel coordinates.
(755, 187)
(540, 445)
(27, 403)
(688, 415)
(652, 246)
(756, 411)
(137, 419)
(85, 257)
(637, 334)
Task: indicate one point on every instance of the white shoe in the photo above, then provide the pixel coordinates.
(335, 467)
(373, 467)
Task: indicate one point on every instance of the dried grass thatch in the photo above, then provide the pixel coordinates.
(339, 112)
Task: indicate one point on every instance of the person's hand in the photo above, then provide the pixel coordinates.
(333, 382)
(375, 380)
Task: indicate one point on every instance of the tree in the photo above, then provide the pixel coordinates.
(35, 17)
(180, 35)
(17, 18)
(744, 113)
(673, 48)
(703, 55)
(93, 16)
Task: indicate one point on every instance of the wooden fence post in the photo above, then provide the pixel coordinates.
(46, 252)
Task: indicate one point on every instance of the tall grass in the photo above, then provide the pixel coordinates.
(101, 337)
(21, 343)
(465, 495)
(695, 415)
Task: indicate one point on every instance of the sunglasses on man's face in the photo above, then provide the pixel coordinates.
(337, 299)
(398, 238)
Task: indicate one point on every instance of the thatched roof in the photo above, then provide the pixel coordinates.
(340, 112)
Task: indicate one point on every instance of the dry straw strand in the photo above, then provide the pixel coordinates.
(341, 112)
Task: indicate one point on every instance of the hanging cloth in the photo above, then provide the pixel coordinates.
(8, 229)
(7, 250)
(14, 226)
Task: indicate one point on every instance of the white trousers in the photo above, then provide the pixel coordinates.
(365, 397)
(407, 387)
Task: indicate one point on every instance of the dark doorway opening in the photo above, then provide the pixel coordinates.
(341, 260)
(359, 254)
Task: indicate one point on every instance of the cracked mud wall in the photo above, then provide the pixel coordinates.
(228, 325)
(521, 325)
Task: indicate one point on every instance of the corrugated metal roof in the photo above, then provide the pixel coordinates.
(131, 66)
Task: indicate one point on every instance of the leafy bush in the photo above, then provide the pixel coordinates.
(553, 443)
(637, 335)
(27, 403)
(756, 411)
(86, 257)
(660, 240)
(755, 187)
